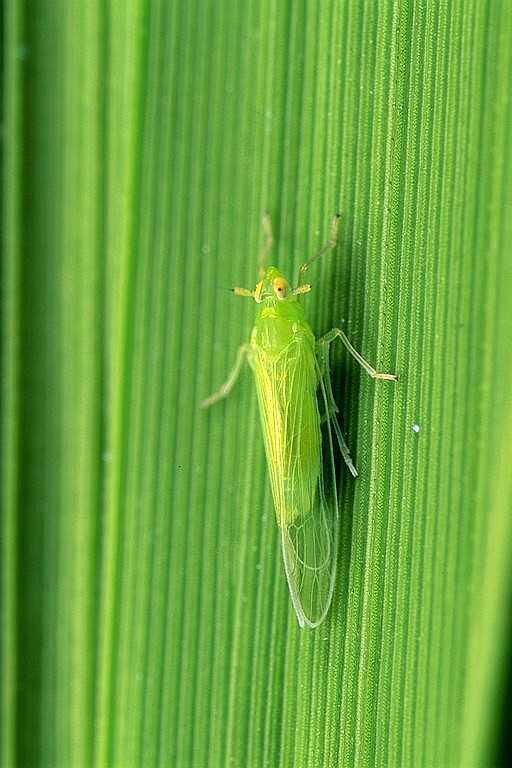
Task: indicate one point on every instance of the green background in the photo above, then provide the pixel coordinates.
(145, 614)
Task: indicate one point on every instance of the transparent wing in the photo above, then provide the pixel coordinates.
(300, 458)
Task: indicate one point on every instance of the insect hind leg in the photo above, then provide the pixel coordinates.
(342, 443)
(332, 409)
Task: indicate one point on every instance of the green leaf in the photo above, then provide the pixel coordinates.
(145, 612)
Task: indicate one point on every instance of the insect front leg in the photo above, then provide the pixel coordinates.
(337, 333)
(230, 382)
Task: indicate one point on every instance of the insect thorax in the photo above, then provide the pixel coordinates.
(279, 323)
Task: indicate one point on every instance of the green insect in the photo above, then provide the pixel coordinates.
(300, 428)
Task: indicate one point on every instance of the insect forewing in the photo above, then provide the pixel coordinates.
(302, 471)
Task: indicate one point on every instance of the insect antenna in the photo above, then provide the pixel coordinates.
(267, 245)
(329, 245)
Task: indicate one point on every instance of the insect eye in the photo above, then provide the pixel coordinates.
(280, 287)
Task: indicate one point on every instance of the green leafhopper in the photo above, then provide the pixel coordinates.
(299, 419)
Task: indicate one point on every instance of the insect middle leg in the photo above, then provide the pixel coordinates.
(230, 382)
(337, 333)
